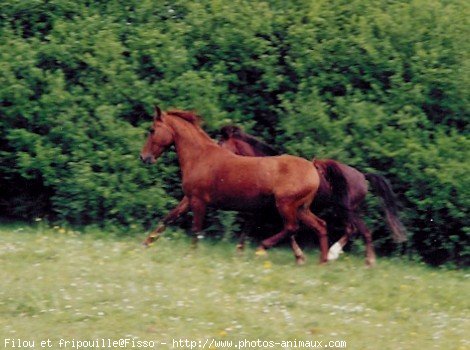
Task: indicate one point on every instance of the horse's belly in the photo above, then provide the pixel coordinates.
(242, 203)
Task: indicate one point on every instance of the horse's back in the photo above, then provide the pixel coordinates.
(291, 176)
(277, 169)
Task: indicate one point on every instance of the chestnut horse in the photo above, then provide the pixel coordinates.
(214, 176)
(345, 200)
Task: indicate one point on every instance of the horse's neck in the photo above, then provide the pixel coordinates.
(191, 143)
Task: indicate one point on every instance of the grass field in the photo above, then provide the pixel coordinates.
(57, 284)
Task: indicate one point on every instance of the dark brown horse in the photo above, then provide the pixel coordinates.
(214, 176)
(343, 199)
(243, 144)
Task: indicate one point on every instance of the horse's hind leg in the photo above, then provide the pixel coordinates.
(299, 254)
(319, 226)
(288, 211)
(337, 248)
(180, 209)
(347, 221)
(367, 235)
(275, 239)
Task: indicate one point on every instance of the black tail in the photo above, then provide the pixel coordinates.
(383, 189)
(339, 189)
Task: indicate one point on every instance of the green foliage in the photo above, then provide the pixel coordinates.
(383, 86)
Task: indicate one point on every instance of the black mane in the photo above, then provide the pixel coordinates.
(236, 132)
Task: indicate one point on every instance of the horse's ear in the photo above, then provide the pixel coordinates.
(157, 113)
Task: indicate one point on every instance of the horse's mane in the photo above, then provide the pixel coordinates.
(259, 145)
(236, 132)
(191, 117)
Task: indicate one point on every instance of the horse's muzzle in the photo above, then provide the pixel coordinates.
(147, 159)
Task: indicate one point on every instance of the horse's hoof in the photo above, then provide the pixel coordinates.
(150, 240)
(261, 252)
(300, 260)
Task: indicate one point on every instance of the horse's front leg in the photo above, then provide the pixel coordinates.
(319, 226)
(198, 207)
(241, 242)
(180, 209)
(248, 227)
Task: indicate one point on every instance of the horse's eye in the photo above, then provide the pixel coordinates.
(151, 130)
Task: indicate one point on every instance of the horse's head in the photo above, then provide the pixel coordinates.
(159, 138)
(229, 131)
(227, 134)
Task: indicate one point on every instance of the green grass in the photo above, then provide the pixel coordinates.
(60, 284)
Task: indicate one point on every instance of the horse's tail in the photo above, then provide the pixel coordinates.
(384, 190)
(339, 188)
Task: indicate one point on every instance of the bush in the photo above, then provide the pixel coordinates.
(378, 85)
